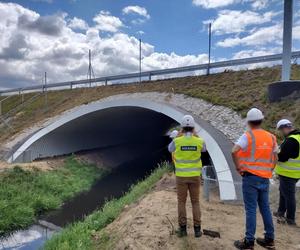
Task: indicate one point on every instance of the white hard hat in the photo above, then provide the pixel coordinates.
(254, 114)
(174, 134)
(284, 123)
(188, 121)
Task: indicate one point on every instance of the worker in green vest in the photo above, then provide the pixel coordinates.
(288, 169)
(186, 149)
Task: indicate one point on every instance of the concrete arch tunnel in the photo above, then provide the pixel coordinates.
(105, 124)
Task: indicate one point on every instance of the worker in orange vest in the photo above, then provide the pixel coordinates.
(255, 156)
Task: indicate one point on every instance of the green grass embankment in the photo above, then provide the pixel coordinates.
(24, 195)
(79, 235)
(238, 90)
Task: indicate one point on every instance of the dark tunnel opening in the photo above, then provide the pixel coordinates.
(125, 131)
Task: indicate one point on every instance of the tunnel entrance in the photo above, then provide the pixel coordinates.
(131, 124)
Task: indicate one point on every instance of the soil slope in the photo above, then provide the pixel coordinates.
(150, 224)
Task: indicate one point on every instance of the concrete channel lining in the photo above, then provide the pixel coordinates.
(218, 145)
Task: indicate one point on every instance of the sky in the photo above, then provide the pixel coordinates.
(54, 36)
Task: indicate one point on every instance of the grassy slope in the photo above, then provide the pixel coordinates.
(26, 194)
(79, 235)
(238, 90)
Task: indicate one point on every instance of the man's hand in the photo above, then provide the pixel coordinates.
(235, 150)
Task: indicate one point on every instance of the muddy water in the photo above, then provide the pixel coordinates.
(143, 159)
(114, 185)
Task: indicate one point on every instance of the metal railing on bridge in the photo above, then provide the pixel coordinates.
(150, 74)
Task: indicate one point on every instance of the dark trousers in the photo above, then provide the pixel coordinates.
(191, 185)
(256, 191)
(287, 201)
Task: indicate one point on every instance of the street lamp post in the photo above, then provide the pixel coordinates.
(209, 48)
(287, 40)
(140, 59)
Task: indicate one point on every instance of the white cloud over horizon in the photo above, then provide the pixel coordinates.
(78, 23)
(135, 9)
(214, 4)
(209, 4)
(32, 44)
(235, 21)
(260, 37)
(107, 22)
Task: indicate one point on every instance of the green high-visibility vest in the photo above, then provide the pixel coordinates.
(187, 156)
(290, 168)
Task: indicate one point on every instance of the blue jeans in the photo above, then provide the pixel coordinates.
(256, 191)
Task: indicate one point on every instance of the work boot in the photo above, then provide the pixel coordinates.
(181, 231)
(197, 230)
(266, 243)
(244, 244)
(278, 215)
(291, 222)
(281, 220)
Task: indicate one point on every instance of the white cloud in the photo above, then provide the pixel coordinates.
(254, 53)
(138, 10)
(235, 21)
(296, 33)
(209, 4)
(106, 22)
(140, 32)
(261, 36)
(259, 4)
(163, 60)
(77, 23)
(27, 51)
(46, 1)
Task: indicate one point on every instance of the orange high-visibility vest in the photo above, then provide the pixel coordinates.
(259, 157)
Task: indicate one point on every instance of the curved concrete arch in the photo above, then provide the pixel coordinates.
(218, 145)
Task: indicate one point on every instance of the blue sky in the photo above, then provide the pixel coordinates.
(53, 35)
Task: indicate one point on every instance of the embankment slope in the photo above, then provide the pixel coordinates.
(150, 224)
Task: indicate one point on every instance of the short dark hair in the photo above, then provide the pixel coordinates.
(187, 129)
(286, 126)
(255, 123)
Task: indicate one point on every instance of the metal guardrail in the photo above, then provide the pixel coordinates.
(149, 74)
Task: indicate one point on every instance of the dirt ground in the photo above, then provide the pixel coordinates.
(150, 224)
(92, 158)
(41, 165)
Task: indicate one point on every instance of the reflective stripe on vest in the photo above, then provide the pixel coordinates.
(189, 161)
(259, 157)
(294, 161)
(281, 164)
(187, 156)
(188, 169)
(290, 168)
(253, 167)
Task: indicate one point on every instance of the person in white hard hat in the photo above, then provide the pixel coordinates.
(288, 170)
(187, 148)
(255, 155)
